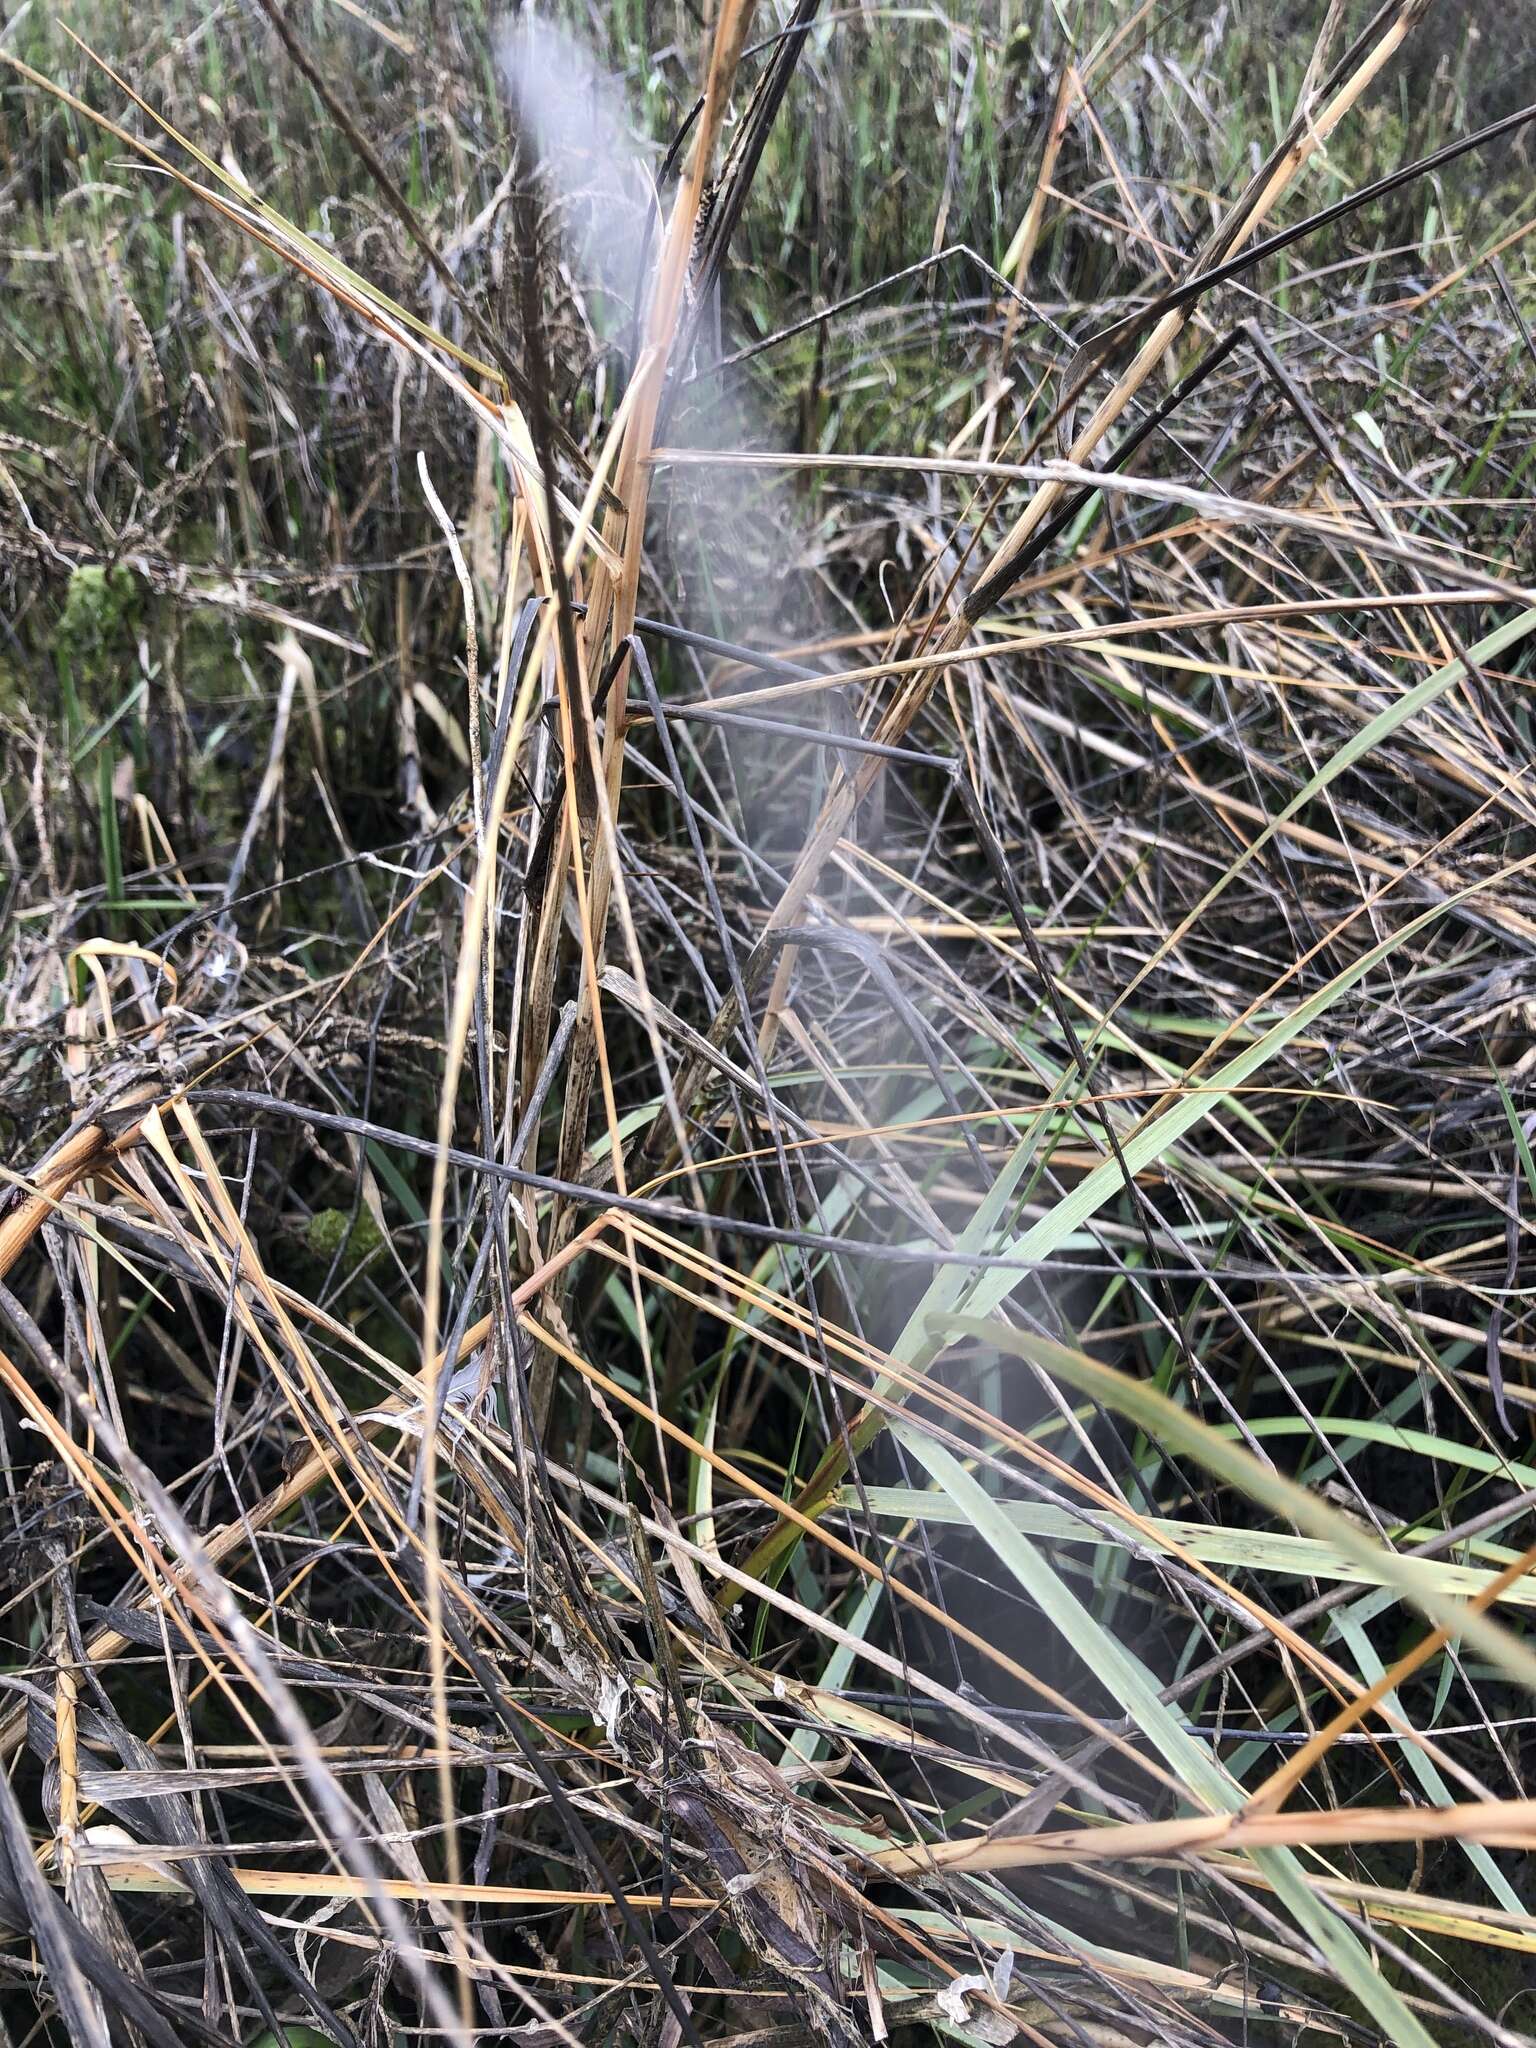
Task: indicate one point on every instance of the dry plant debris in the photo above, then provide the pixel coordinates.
(768, 955)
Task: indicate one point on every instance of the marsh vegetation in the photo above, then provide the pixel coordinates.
(768, 979)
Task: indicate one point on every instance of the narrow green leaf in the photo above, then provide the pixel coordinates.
(1123, 1673)
(1257, 1550)
(1194, 1438)
(1117, 1668)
